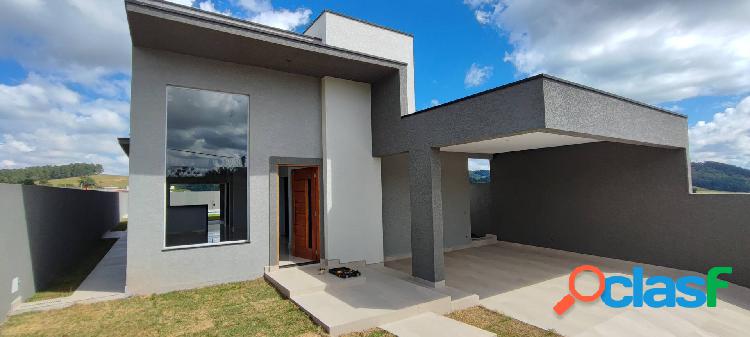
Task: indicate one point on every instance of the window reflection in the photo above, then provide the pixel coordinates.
(207, 135)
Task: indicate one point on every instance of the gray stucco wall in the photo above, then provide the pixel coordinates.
(15, 256)
(396, 208)
(588, 112)
(480, 196)
(44, 231)
(621, 201)
(285, 121)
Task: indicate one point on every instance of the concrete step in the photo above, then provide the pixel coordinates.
(432, 325)
(346, 305)
(296, 281)
(459, 299)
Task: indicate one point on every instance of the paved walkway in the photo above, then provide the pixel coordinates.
(430, 324)
(106, 282)
(379, 297)
(525, 282)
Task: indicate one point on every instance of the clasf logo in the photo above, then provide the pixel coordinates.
(662, 292)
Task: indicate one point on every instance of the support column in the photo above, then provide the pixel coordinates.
(426, 215)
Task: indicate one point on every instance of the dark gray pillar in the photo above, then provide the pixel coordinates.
(426, 215)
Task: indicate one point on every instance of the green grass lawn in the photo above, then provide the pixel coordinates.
(102, 180)
(251, 308)
(501, 325)
(121, 226)
(701, 190)
(66, 284)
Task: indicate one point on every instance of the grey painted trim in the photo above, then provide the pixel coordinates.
(355, 19)
(481, 93)
(273, 202)
(606, 93)
(198, 13)
(556, 79)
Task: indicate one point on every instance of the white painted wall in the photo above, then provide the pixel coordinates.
(336, 30)
(353, 213)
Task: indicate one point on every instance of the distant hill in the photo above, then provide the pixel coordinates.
(716, 176)
(29, 175)
(101, 180)
(479, 176)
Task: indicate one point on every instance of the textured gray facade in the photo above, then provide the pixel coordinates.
(539, 103)
(626, 193)
(279, 126)
(620, 201)
(44, 231)
(480, 199)
(426, 200)
(457, 224)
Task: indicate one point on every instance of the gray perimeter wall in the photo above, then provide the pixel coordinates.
(620, 201)
(285, 121)
(396, 210)
(44, 231)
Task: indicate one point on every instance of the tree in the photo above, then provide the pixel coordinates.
(42, 173)
(87, 182)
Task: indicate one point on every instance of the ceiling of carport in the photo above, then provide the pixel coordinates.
(526, 141)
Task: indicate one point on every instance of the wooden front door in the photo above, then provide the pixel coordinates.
(306, 220)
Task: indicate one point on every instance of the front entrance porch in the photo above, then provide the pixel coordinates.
(380, 297)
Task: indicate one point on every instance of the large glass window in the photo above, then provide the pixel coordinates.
(207, 137)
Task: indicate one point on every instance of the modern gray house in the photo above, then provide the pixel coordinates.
(252, 148)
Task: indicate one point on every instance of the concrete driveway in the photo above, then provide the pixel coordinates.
(525, 282)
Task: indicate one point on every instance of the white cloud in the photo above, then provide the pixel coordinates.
(434, 102)
(482, 17)
(44, 122)
(479, 164)
(263, 12)
(256, 6)
(209, 6)
(79, 41)
(74, 102)
(725, 138)
(477, 75)
(259, 11)
(182, 2)
(654, 51)
(283, 18)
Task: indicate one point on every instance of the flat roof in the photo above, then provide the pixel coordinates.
(166, 26)
(553, 78)
(355, 19)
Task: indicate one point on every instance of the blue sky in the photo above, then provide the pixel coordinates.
(64, 65)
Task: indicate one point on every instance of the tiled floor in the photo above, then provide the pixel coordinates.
(525, 282)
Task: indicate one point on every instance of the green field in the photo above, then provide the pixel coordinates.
(701, 190)
(102, 180)
(251, 308)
